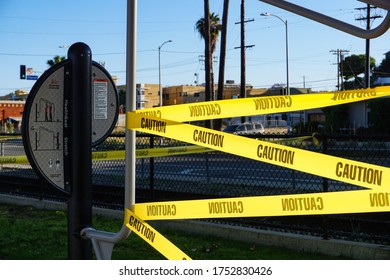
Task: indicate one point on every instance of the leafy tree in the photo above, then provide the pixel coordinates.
(383, 70)
(55, 60)
(215, 27)
(379, 115)
(335, 117)
(353, 66)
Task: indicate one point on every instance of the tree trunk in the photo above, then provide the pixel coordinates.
(207, 55)
(222, 58)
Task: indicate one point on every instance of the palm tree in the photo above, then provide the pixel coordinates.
(55, 60)
(214, 27)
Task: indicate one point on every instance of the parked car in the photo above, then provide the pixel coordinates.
(245, 129)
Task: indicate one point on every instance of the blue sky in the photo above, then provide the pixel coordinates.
(32, 31)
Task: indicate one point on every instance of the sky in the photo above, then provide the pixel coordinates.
(32, 32)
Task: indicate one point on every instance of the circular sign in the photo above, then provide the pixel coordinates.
(45, 119)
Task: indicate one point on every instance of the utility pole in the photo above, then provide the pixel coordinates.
(340, 59)
(243, 54)
(208, 123)
(368, 18)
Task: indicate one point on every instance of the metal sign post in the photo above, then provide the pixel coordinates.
(78, 125)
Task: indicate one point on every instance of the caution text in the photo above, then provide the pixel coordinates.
(226, 207)
(347, 95)
(359, 173)
(302, 204)
(205, 110)
(161, 210)
(275, 154)
(379, 199)
(142, 229)
(275, 102)
(153, 125)
(209, 138)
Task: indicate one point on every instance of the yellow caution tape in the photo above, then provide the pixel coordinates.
(261, 105)
(108, 155)
(348, 171)
(153, 237)
(140, 153)
(119, 155)
(166, 122)
(13, 160)
(363, 201)
(170, 151)
(8, 137)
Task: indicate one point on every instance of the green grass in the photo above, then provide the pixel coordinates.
(27, 233)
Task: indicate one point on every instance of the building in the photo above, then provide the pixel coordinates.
(183, 94)
(147, 95)
(189, 94)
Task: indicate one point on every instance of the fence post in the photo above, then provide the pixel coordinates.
(208, 179)
(151, 168)
(325, 188)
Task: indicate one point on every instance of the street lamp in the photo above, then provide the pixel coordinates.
(287, 66)
(159, 70)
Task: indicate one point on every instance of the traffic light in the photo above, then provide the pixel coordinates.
(23, 72)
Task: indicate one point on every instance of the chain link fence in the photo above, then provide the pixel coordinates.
(217, 175)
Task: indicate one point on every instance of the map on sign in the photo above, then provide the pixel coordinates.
(46, 119)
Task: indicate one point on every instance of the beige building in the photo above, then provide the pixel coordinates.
(147, 96)
(189, 94)
(183, 94)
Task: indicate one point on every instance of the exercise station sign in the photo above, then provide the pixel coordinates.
(46, 119)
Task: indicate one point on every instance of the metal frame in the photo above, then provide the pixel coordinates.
(335, 23)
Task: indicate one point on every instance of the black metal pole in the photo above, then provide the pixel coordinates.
(325, 188)
(80, 156)
(151, 169)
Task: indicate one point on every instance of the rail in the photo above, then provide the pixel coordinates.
(338, 24)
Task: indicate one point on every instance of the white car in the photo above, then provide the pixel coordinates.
(245, 129)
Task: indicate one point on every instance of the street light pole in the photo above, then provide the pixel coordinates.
(287, 60)
(159, 71)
